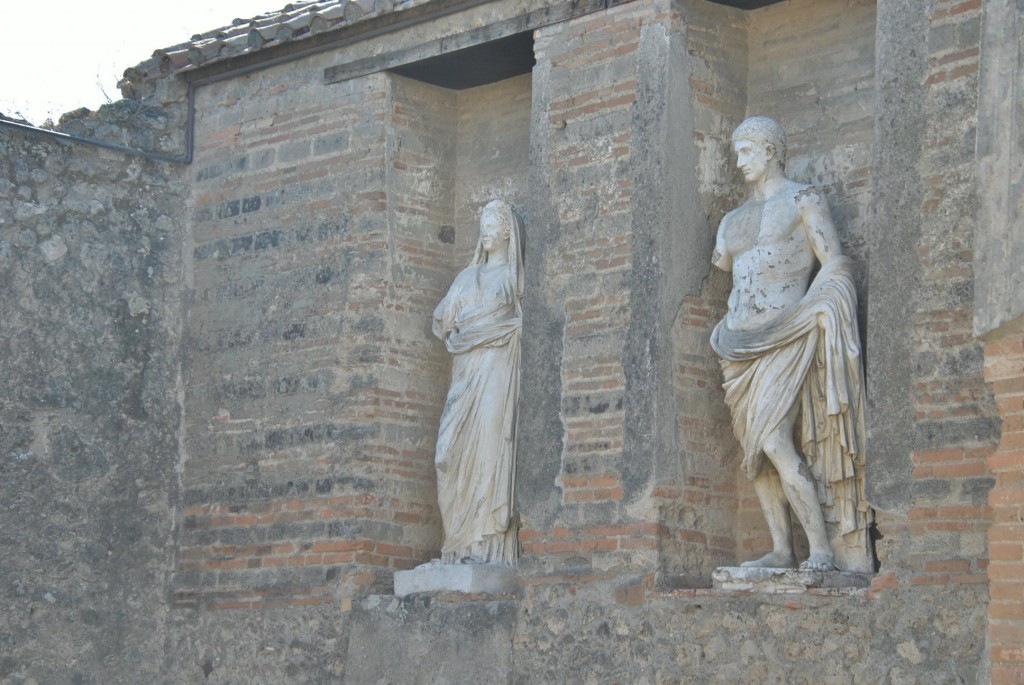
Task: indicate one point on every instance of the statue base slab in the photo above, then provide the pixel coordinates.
(474, 579)
(782, 580)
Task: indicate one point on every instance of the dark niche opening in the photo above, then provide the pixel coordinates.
(478, 65)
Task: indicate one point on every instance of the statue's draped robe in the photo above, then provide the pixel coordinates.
(810, 355)
(480, 322)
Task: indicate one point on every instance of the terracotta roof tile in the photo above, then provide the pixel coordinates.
(235, 45)
(295, 22)
(327, 15)
(172, 59)
(205, 50)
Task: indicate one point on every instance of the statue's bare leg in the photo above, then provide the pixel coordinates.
(798, 486)
(776, 512)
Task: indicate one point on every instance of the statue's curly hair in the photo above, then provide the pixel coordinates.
(763, 130)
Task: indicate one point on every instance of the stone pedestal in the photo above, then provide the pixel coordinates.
(469, 578)
(778, 580)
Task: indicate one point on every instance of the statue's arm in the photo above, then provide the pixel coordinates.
(441, 327)
(721, 257)
(821, 231)
(444, 313)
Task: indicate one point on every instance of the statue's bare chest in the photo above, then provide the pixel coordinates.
(760, 224)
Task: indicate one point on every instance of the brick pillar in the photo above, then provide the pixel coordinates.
(1004, 369)
(618, 237)
(999, 316)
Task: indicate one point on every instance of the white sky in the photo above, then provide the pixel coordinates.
(60, 55)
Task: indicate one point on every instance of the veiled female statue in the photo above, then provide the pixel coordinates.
(480, 320)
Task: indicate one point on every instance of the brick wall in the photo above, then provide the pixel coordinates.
(282, 480)
(615, 141)
(326, 230)
(492, 155)
(590, 65)
(942, 538)
(1004, 369)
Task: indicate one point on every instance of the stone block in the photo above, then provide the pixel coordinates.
(468, 578)
(784, 580)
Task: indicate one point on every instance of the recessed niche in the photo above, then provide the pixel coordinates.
(477, 65)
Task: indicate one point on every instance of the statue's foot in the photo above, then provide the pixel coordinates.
(772, 560)
(818, 562)
(430, 564)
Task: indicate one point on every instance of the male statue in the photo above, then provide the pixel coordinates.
(791, 359)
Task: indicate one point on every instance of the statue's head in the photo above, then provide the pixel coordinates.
(497, 221)
(502, 229)
(757, 138)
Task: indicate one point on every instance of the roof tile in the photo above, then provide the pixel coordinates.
(296, 21)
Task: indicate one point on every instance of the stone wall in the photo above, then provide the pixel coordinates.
(566, 632)
(581, 637)
(999, 254)
(91, 271)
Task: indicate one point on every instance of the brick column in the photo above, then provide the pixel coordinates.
(999, 316)
(618, 239)
(1004, 369)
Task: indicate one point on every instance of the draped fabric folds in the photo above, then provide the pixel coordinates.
(810, 355)
(480, 322)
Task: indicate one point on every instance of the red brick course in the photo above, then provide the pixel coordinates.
(1004, 369)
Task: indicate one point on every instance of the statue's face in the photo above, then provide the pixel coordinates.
(752, 158)
(493, 233)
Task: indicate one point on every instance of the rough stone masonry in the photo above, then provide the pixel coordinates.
(219, 392)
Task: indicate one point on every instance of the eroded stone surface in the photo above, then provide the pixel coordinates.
(775, 580)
